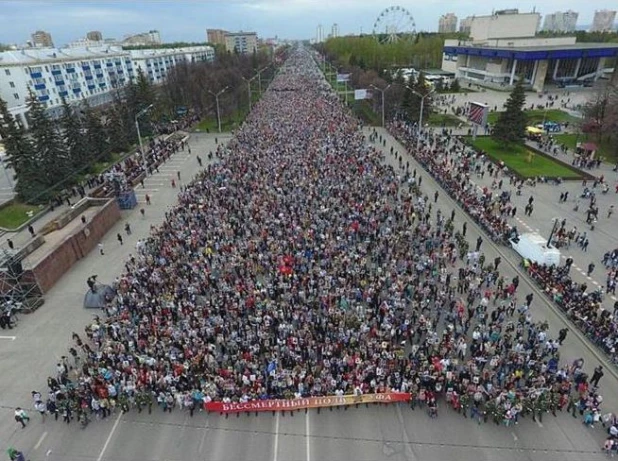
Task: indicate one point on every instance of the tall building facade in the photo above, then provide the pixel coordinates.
(466, 25)
(216, 36)
(603, 21)
(88, 73)
(319, 34)
(561, 21)
(241, 42)
(334, 33)
(42, 39)
(447, 23)
(94, 36)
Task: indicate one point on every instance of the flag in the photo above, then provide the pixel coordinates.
(361, 94)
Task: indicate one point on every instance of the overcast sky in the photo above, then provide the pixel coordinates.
(185, 20)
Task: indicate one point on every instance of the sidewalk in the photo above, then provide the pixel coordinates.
(22, 237)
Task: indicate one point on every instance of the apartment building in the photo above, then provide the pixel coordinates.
(241, 42)
(447, 23)
(42, 39)
(561, 21)
(81, 73)
(156, 63)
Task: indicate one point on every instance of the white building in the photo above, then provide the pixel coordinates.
(503, 26)
(152, 37)
(156, 63)
(447, 23)
(603, 21)
(561, 21)
(81, 73)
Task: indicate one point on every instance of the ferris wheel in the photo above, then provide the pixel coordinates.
(394, 23)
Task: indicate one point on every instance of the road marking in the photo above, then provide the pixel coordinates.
(137, 191)
(38, 444)
(308, 436)
(276, 441)
(540, 424)
(206, 429)
(514, 436)
(109, 437)
(12, 338)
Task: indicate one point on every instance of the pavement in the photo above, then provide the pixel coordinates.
(392, 432)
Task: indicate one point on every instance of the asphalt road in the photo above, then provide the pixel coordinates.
(374, 433)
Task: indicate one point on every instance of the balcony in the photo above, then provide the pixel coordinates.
(59, 82)
(40, 86)
(56, 72)
(34, 75)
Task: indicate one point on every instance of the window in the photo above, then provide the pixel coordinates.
(12, 84)
(7, 71)
(15, 95)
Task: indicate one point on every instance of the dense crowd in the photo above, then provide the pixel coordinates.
(302, 264)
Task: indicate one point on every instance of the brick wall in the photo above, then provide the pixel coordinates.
(76, 246)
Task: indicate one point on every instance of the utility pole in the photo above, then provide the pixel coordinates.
(216, 95)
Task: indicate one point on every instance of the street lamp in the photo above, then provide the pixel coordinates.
(382, 91)
(420, 118)
(259, 73)
(553, 231)
(248, 81)
(139, 135)
(216, 95)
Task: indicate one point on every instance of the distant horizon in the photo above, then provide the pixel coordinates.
(187, 21)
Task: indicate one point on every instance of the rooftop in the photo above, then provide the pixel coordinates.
(38, 55)
(29, 56)
(576, 50)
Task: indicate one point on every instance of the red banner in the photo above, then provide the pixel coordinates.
(308, 402)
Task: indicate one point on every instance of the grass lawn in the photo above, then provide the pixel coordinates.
(571, 139)
(444, 120)
(227, 123)
(536, 116)
(15, 214)
(516, 158)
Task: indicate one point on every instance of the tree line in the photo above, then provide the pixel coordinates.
(55, 155)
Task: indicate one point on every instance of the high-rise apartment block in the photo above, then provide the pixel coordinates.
(561, 21)
(447, 23)
(216, 36)
(466, 25)
(603, 21)
(42, 39)
(94, 36)
(241, 42)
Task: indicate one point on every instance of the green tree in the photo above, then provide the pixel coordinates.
(74, 139)
(455, 86)
(511, 124)
(53, 160)
(21, 157)
(412, 101)
(95, 133)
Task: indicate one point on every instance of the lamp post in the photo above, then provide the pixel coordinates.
(382, 91)
(139, 135)
(259, 75)
(216, 95)
(248, 81)
(420, 118)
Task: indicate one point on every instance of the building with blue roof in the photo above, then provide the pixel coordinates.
(503, 48)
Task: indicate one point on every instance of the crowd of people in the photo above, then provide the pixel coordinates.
(302, 264)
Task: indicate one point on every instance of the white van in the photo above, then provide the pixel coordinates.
(534, 247)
